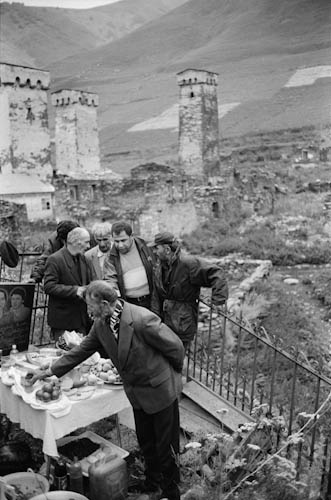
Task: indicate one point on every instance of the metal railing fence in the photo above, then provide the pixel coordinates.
(248, 370)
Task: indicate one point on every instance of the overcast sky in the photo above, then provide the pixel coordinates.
(67, 4)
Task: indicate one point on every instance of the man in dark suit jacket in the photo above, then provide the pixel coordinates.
(65, 280)
(57, 240)
(149, 358)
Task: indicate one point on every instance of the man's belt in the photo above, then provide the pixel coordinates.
(142, 298)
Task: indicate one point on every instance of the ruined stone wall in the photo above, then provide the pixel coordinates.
(76, 132)
(13, 218)
(150, 202)
(25, 140)
(87, 200)
(198, 123)
(163, 215)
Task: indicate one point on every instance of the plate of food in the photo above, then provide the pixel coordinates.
(49, 392)
(110, 378)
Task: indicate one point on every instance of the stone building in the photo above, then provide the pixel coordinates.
(37, 196)
(77, 149)
(25, 136)
(198, 123)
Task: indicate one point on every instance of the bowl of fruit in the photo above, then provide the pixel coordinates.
(49, 392)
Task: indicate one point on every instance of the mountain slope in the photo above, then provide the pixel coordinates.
(255, 45)
(49, 34)
(215, 31)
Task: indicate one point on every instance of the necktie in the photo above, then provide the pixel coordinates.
(77, 264)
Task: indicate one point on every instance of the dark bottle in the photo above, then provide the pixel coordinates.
(76, 476)
(60, 475)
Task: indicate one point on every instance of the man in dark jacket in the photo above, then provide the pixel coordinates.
(129, 265)
(149, 358)
(177, 282)
(56, 241)
(66, 276)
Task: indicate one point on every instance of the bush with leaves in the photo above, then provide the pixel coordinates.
(258, 462)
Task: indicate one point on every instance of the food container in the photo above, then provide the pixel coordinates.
(104, 445)
(108, 479)
(27, 484)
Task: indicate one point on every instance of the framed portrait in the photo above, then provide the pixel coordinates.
(16, 303)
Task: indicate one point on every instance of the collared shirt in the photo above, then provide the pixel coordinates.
(114, 320)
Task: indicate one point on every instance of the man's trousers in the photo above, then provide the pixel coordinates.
(158, 438)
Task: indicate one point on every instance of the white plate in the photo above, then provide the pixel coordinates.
(80, 393)
(38, 359)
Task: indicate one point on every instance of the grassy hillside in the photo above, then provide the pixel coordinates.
(255, 45)
(45, 35)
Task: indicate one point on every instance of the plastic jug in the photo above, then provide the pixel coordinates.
(108, 479)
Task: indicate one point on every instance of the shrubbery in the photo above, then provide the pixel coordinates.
(258, 243)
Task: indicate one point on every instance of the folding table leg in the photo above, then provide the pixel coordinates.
(48, 466)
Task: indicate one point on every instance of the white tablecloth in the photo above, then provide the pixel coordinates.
(41, 424)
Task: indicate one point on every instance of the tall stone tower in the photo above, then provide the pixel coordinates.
(198, 123)
(76, 132)
(25, 137)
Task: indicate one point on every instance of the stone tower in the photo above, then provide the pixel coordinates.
(76, 132)
(25, 137)
(198, 123)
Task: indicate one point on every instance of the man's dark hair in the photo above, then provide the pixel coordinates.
(64, 227)
(120, 226)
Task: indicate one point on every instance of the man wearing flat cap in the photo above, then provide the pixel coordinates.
(177, 282)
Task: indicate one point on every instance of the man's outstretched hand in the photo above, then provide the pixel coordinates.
(39, 374)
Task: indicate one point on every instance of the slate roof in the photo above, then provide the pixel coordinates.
(23, 184)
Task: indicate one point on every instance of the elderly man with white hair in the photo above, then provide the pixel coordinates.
(66, 276)
(95, 257)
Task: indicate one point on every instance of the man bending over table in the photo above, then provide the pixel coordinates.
(149, 358)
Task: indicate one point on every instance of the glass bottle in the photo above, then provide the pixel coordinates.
(13, 354)
(60, 475)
